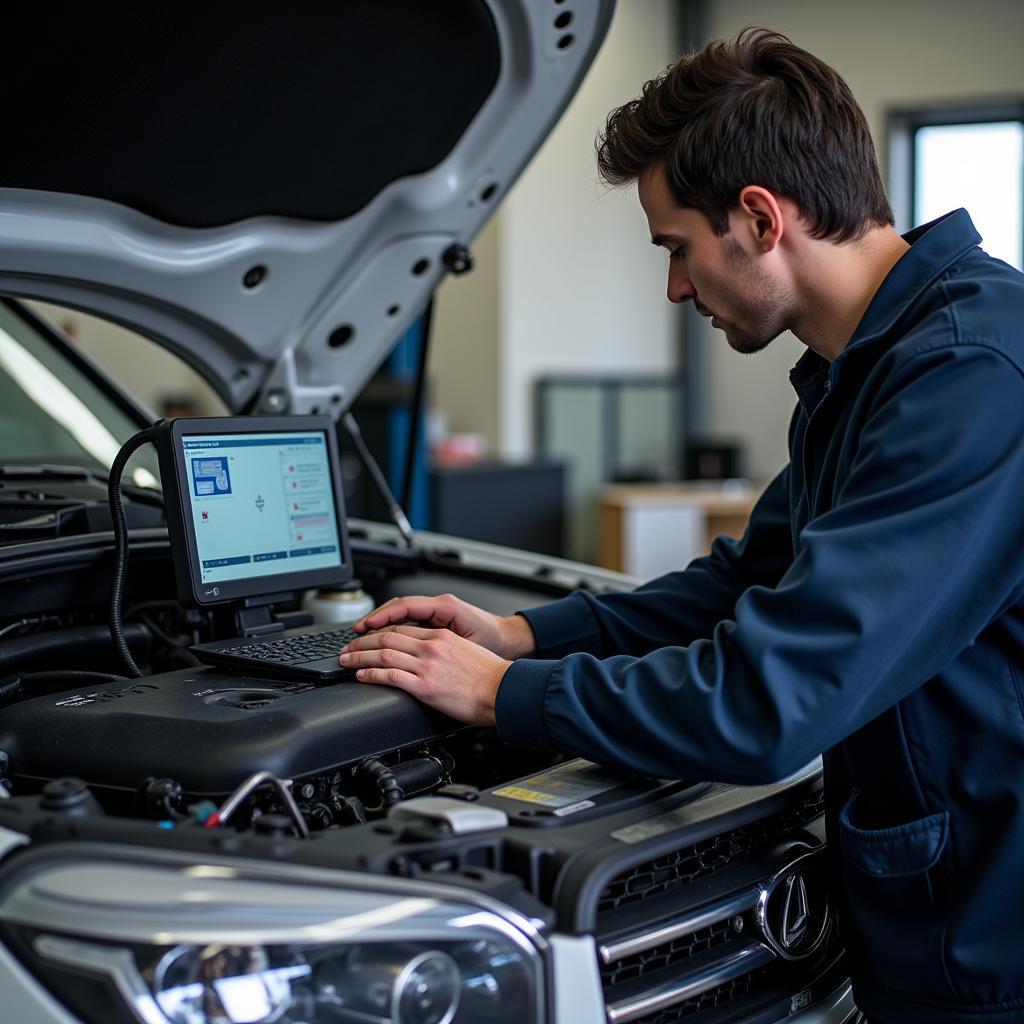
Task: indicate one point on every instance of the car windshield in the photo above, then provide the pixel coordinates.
(53, 411)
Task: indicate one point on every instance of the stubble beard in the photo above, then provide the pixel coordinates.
(765, 321)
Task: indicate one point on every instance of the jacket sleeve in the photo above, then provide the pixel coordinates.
(922, 549)
(679, 607)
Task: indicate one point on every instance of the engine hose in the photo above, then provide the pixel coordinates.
(419, 775)
(55, 648)
(382, 778)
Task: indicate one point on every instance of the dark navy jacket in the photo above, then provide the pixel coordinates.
(874, 610)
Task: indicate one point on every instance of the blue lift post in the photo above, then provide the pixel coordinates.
(403, 365)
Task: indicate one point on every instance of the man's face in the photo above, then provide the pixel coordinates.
(725, 280)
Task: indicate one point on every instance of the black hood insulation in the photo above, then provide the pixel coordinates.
(207, 115)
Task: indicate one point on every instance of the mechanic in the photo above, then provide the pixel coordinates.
(874, 609)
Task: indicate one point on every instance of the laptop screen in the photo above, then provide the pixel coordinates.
(262, 504)
(260, 508)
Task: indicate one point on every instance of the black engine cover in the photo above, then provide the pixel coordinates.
(208, 730)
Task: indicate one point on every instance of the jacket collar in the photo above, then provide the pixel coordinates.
(933, 248)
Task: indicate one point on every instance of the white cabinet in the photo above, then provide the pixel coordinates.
(650, 529)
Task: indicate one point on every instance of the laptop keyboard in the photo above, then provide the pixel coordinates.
(294, 650)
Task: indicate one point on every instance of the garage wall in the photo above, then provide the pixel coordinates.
(582, 287)
(574, 284)
(464, 344)
(891, 54)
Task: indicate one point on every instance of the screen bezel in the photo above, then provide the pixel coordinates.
(181, 528)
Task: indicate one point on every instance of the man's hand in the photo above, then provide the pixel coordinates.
(447, 672)
(509, 636)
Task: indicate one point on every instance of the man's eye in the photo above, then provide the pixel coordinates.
(678, 253)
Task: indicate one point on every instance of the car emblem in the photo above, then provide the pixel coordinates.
(793, 911)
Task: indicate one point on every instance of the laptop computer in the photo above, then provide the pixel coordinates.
(255, 512)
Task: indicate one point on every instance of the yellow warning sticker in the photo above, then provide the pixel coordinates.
(531, 796)
(565, 784)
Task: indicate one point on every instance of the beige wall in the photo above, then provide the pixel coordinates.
(566, 278)
(582, 287)
(464, 360)
(891, 54)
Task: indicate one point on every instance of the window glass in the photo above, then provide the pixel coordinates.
(154, 377)
(575, 433)
(650, 421)
(54, 413)
(980, 167)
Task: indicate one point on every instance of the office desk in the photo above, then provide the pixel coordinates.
(650, 529)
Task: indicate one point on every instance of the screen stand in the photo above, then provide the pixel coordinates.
(255, 616)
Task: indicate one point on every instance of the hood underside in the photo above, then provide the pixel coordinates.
(274, 196)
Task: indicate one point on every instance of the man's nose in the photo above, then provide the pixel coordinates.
(680, 288)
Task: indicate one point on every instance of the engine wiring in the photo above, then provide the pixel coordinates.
(247, 788)
(121, 545)
(26, 623)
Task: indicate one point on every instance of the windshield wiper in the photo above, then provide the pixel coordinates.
(15, 472)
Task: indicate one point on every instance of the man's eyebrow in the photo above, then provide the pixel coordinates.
(665, 239)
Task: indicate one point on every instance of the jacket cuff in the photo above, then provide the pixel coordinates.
(566, 626)
(519, 704)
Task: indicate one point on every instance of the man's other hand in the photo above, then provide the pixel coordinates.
(508, 636)
(447, 672)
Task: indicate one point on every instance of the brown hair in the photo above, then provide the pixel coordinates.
(754, 110)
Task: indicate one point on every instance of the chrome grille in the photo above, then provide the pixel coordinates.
(664, 960)
(682, 866)
(668, 954)
(713, 999)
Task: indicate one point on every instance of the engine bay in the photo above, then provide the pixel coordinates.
(186, 742)
(193, 764)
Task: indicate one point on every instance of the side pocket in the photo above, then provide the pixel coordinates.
(890, 893)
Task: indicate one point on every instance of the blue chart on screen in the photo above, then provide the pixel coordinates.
(210, 476)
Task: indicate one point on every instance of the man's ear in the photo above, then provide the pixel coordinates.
(761, 217)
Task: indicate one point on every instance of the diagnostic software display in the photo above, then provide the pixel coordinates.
(262, 504)
(254, 506)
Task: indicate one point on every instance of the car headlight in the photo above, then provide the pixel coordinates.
(208, 944)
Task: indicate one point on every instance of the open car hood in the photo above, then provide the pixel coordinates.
(272, 195)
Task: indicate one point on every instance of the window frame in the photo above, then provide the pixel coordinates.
(903, 125)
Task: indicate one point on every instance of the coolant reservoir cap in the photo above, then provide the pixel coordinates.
(273, 825)
(341, 605)
(66, 794)
(351, 591)
(64, 791)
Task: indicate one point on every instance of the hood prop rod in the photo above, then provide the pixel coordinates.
(416, 408)
(394, 509)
